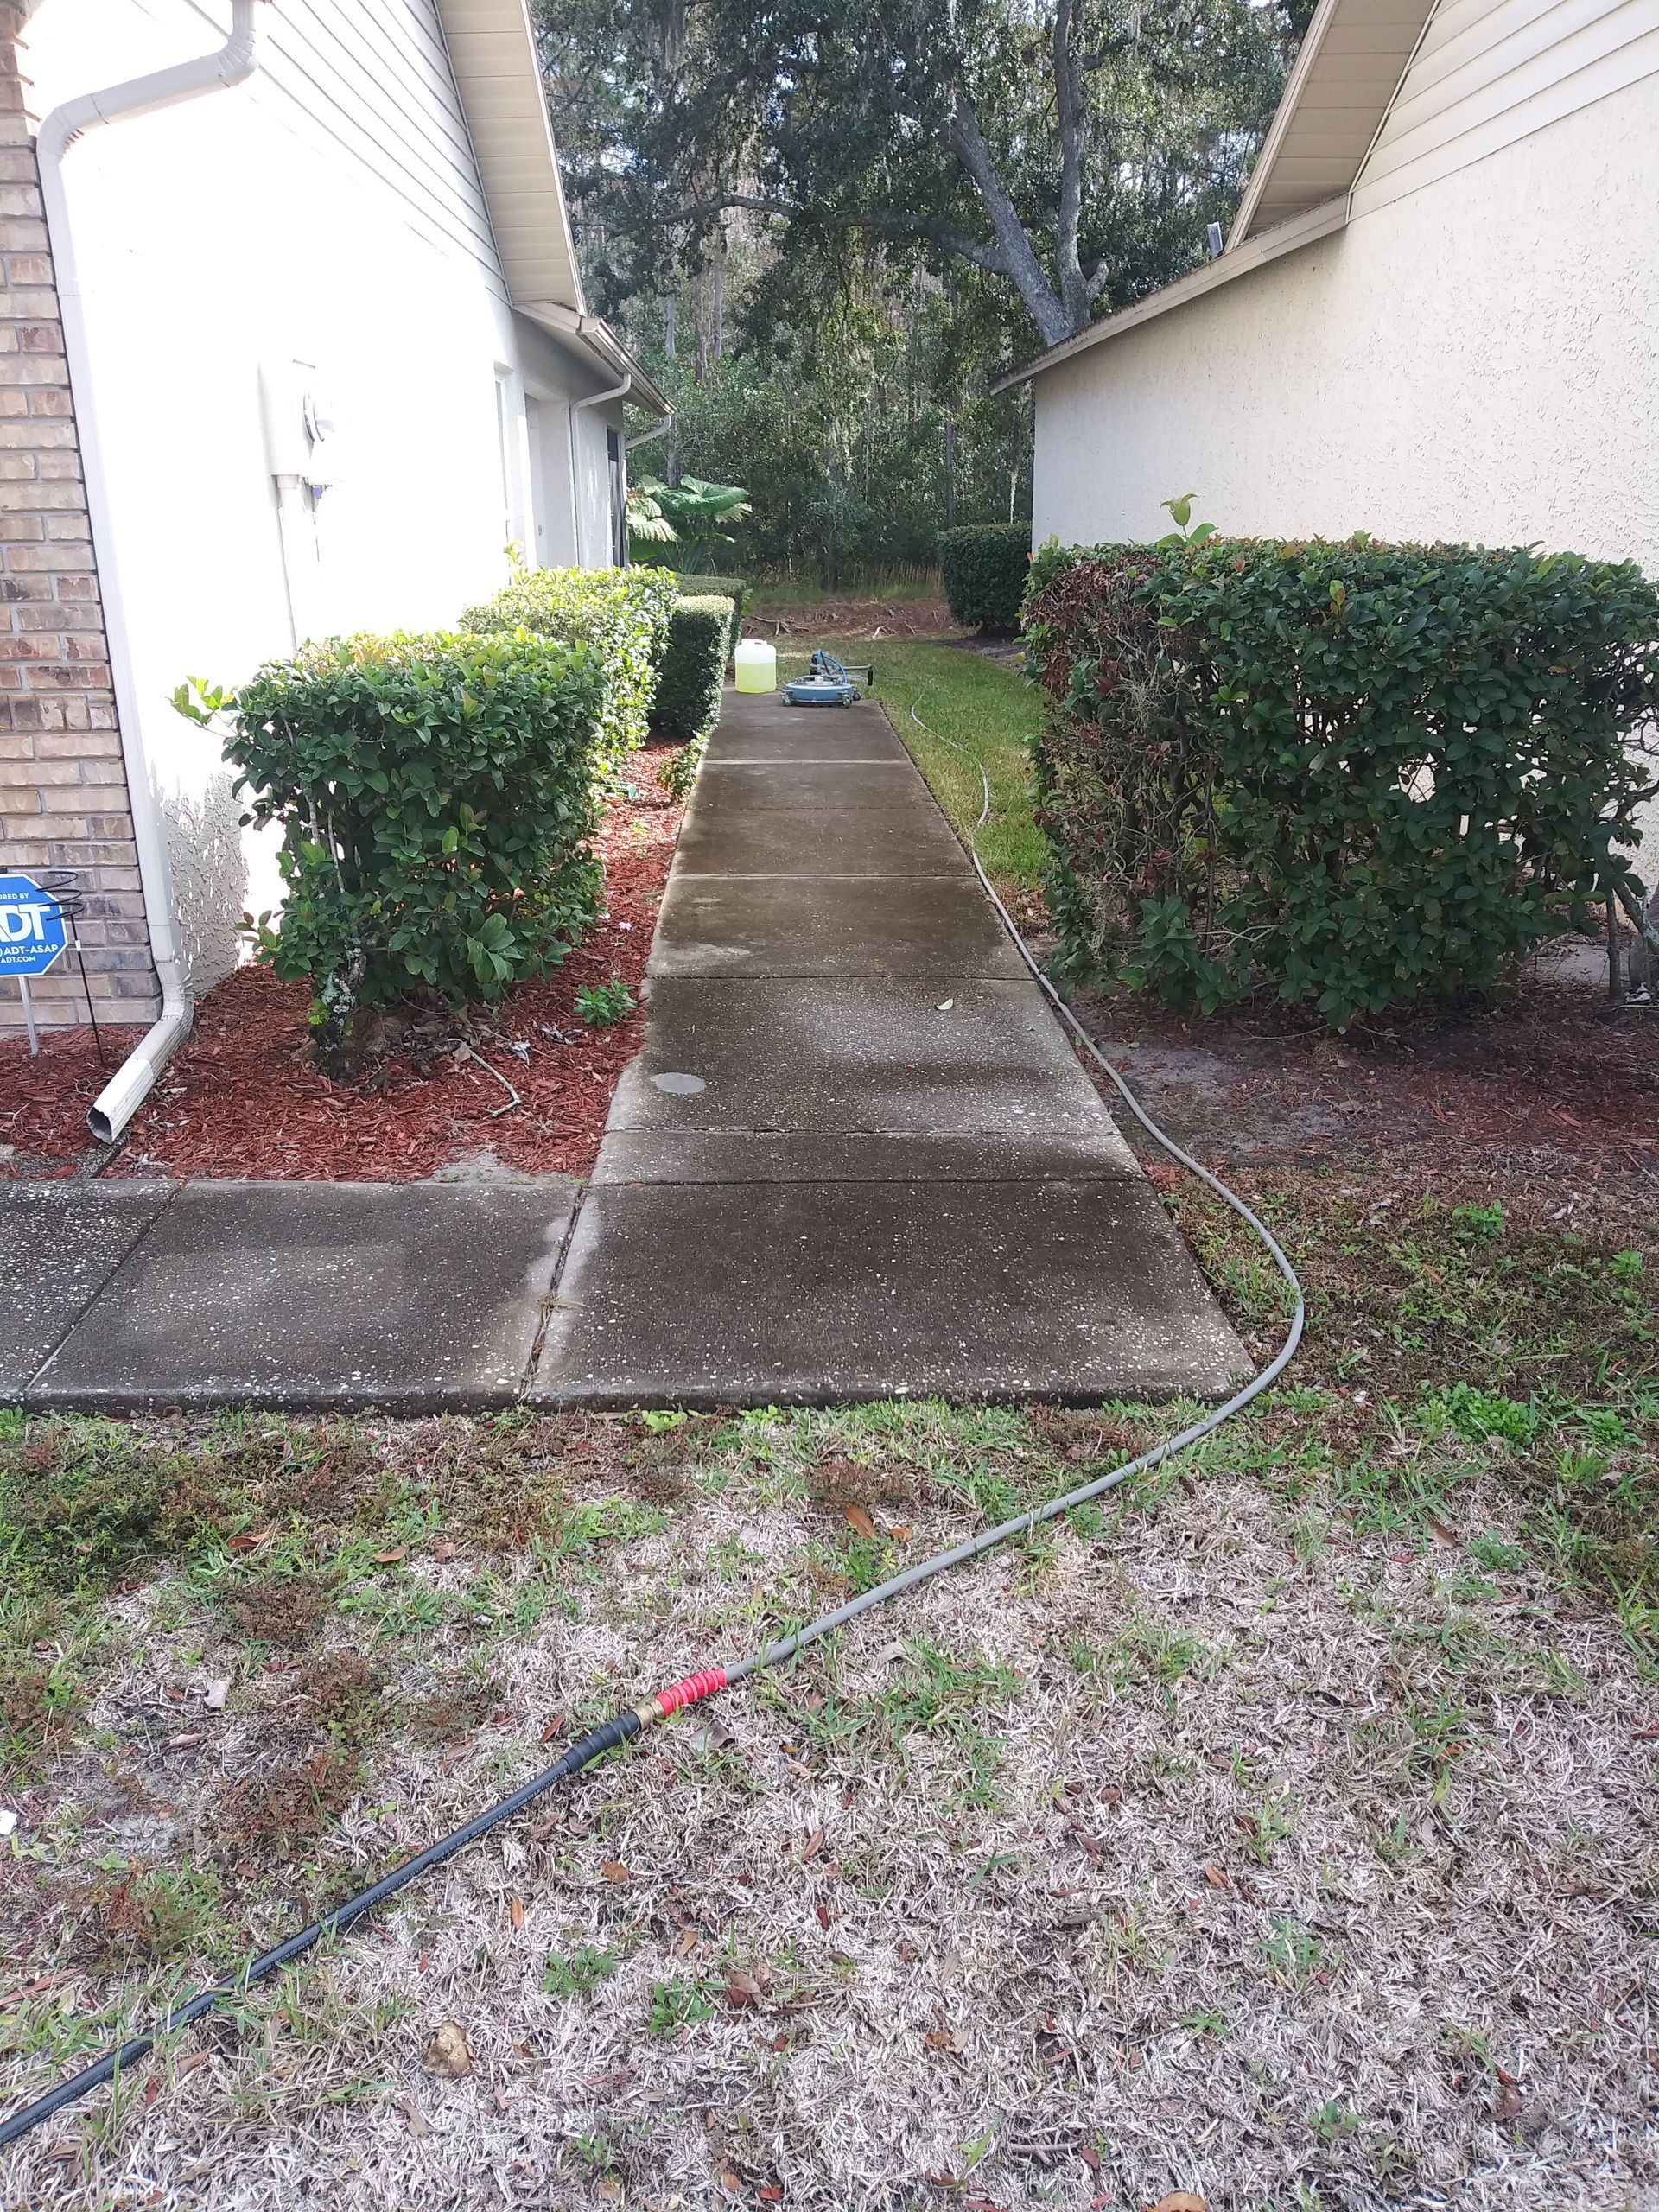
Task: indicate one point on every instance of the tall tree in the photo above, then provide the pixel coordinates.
(1072, 150)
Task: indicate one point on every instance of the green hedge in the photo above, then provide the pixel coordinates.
(623, 614)
(984, 567)
(436, 798)
(1345, 774)
(687, 704)
(735, 589)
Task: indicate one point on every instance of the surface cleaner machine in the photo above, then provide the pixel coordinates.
(828, 682)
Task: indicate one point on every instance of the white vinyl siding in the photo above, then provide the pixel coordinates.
(1489, 72)
(373, 79)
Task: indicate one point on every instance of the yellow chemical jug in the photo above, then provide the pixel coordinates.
(757, 665)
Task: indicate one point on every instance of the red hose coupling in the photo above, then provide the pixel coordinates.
(688, 1690)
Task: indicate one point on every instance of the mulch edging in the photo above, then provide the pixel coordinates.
(240, 1098)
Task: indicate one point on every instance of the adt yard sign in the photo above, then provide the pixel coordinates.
(32, 933)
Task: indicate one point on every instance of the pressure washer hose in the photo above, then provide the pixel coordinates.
(710, 1680)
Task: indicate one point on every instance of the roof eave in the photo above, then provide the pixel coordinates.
(492, 45)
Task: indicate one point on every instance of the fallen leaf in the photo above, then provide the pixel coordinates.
(940, 2039)
(822, 1911)
(685, 1942)
(1440, 1532)
(217, 1694)
(730, 2182)
(385, 1558)
(447, 2056)
(415, 2118)
(183, 1743)
(779, 2042)
(1090, 2158)
(770, 2194)
(614, 1870)
(1216, 1877)
(251, 1543)
(860, 1522)
(446, 1548)
(812, 1846)
(608, 2190)
(742, 1989)
(899, 1535)
(1508, 2103)
(515, 1911)
(554, 1727)
(1180, 2200)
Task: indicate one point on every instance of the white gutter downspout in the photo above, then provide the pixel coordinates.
(650, 437)
(233, 62)
(594, 399)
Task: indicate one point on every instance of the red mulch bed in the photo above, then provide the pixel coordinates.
(240, 1099)
(1546, 1080)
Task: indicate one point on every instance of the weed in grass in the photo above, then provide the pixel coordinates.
(1295, 1955)
(1497, 1555)
(1144, 1652)
(677, 2004)
(1267, 1826)
(346, 1691)
(1478, 1416)
(39, 1700)
(1439, 1729)
(578, 1973)
(150, 1914)
(1333, 2122)
(278, 1816)
(458, 1707)
(285, 1610)
(935, 1687)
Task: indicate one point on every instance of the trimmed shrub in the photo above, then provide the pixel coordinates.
(984, 567)
(1345, 773)
(436, 798)
(623, 614)
(687, 704)
(733, 588)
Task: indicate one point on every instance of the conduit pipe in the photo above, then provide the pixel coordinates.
(231, 64)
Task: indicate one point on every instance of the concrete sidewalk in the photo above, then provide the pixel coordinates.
(857, 1156)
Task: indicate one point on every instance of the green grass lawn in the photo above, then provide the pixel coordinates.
(975, 704)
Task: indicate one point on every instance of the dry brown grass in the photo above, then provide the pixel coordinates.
(1262, 1839)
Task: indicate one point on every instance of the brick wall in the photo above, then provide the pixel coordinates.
(63, 790)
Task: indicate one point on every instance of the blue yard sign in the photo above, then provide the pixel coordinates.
(32, 932)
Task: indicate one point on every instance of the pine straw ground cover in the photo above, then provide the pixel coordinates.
(1282, 1831)
(241, 1097)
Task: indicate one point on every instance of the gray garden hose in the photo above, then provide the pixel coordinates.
(621, 1727)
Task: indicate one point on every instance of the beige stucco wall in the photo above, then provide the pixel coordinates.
(1478, 361)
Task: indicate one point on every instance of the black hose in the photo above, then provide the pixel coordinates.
(582, 1753)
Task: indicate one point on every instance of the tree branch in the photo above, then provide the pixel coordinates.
(1046, 311)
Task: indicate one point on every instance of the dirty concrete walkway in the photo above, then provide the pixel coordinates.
(857, 1156)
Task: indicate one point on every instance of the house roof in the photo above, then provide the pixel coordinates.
(498, 73)
(1348, 70)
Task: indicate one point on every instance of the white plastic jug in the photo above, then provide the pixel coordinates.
(757, 664)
